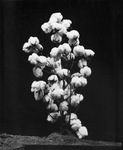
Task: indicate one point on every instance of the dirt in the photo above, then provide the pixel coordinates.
(10, 142)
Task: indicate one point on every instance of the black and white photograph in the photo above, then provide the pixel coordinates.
(61, 74)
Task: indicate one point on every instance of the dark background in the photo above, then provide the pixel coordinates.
(100, 24)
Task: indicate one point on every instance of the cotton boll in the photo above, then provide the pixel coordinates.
(53, 117)
(73, 34)
(58, 16)
(57, 93)
(83, 81)
(42, 84)
(52, 79)
(86, 71)
(35, 86)
(67, 23)
(79, 50)
(76, 99)
(47, 98)
(82, 63)
(37, 71)
(89, 53)
(33, 58)
(67, 48)
(56, 38)
(75, 82)
(54, 52)
(26, 47)
(42, 60)
(33, 40)
(46, 27)
(63, 73)
(75, 124)
(53, 107)
(63, 106)
(82, 132)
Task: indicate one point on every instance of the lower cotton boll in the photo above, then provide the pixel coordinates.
(37, 72)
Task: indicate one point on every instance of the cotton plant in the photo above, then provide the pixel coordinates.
(59, 92)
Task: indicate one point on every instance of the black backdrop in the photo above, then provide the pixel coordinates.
(100, 24)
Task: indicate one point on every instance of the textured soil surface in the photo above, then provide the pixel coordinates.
(10, 142)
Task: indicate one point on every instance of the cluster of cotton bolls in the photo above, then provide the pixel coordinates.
(58, 26)
(59, 91)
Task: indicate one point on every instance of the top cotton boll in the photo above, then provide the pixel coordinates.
(56, 17)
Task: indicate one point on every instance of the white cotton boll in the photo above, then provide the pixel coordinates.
(67, 23)
(26, 47)
(67, 48)
(53, 78)
(33, 58)
(88, 53)
(73, 34)
(58, 16)
(47, 98)
(75, 124)
(78, 81)
(46, 27)
(54, 52)
(86, 71)
(76, 121)
(82, 62)
(42, 84)
(33, 40)
(63, 73)
(83, 81)
(63, 106)
(79, 50)
(82, 132)
(56, 38)
(37, 72)
(75, 82)
(42, 60)
(53, 107)
(76, 99)
(53, 117)
(35, 86)
(73, 116)
(57, 93)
